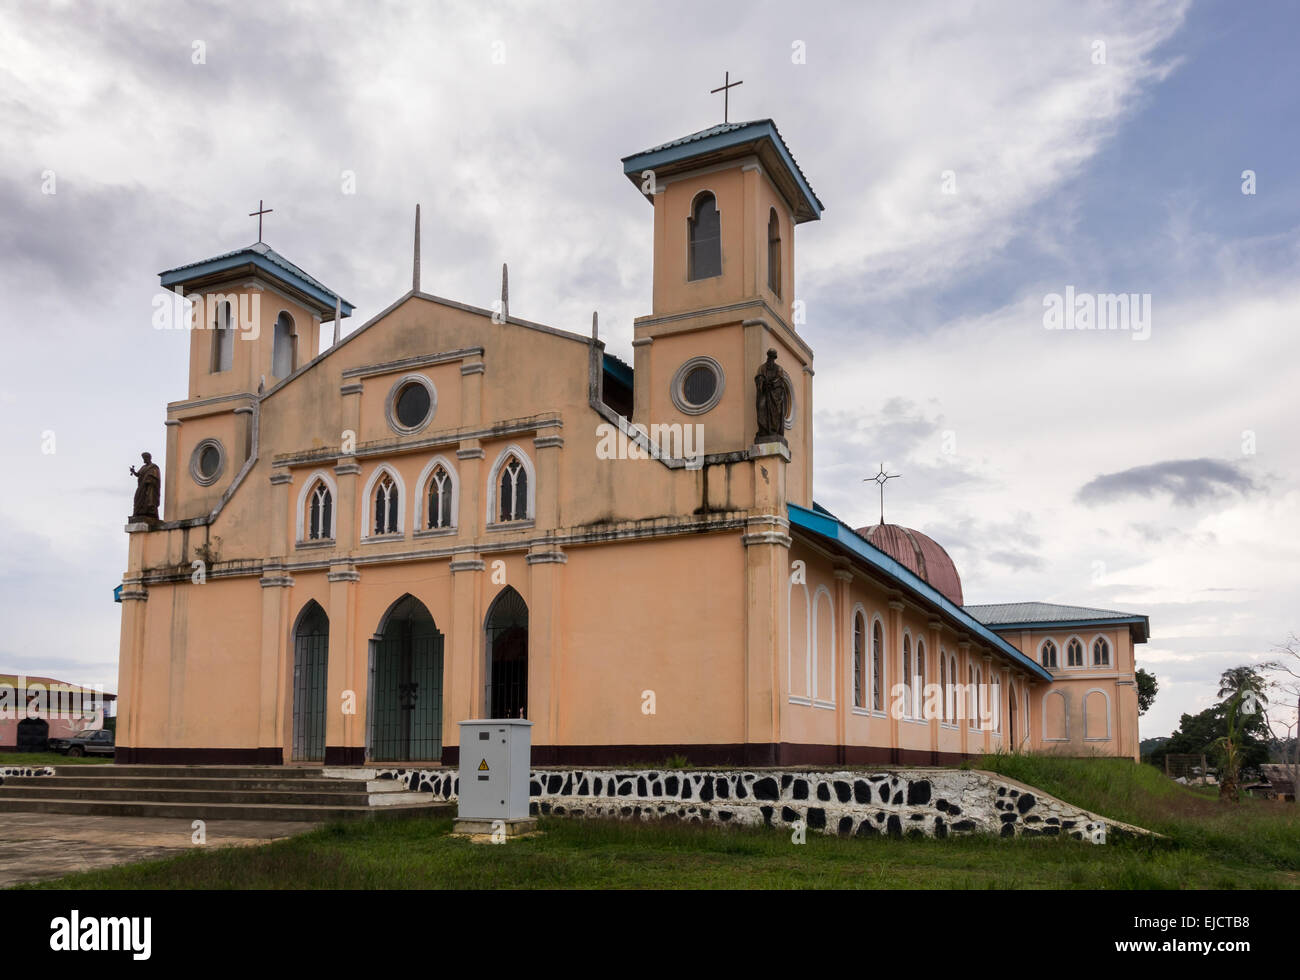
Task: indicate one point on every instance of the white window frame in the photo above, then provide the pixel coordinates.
(421, 521)
(303, 512)
(494, 488)
(369, 511)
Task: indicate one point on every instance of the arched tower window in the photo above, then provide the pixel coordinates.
(774, 252)
(387, 506)
(1100, 653)
(282, 346)
(704, 233)
(512, 493)
(223, 339)
(320, 513)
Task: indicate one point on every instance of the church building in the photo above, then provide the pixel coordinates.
(456, 513)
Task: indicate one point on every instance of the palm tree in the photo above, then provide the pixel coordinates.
(1246, 683)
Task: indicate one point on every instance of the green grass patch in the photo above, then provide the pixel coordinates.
(49, 759)
(1252, 834)
(1209, 845)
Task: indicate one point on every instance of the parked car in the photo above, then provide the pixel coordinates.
(98, 742)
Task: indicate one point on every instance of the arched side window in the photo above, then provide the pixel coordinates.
(384, 496)
(704, 239)
(511, 488)
(877, 666)
(798, 637)
(1096, 715)
(823, 647)
(1074, 652)
(316, 508)
(1056, 717)
(1047, 654)
(906, 676)
(954, 679)
(282, 346)
(995, 703)
(920, 677)
(973, 704)
(859, 659)
(223, 339)
(774, 252)
(439, 496)
(943, 687)
(1100, 652)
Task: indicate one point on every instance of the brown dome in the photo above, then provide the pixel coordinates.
(917, 553)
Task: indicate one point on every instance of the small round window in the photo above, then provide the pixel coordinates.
(697, 385)
(207, 462)
(411, 404)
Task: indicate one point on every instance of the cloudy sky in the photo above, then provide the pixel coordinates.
(974, 159)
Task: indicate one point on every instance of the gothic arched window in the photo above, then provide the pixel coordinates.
(774, 253)
(320, 513)
(1074, 653)
(387, 505)
(513, 491)
(439, 499)
(1100, 653)
(223, 339)
(282, 346)
(704, 239)
(1048, 654)
(943, 687)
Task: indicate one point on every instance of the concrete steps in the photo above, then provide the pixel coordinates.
(213, 793)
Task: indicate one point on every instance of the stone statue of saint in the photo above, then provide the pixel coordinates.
(772, 400)
(148, 489)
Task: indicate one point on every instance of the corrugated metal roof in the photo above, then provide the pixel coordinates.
(1001, 615)
(722, 136)
(259, 250)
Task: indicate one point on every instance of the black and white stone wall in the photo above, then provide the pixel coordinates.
(899, 803)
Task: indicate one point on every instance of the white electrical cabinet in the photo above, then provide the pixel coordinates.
(495, 763)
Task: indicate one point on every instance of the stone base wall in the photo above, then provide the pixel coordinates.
(899, 803)
(25, 771)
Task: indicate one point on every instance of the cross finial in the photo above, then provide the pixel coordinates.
(881, 479)
(261, 210)
(727, 83)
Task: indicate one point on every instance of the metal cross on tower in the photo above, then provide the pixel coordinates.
(261, 210)
(880, 479)
(727, 83)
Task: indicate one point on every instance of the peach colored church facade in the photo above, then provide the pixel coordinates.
(455, 513)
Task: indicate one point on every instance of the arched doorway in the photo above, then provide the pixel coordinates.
(406, 686)
(506, 647)
(311, 645)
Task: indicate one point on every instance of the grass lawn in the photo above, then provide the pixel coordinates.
(49, 759)
(1255, 845)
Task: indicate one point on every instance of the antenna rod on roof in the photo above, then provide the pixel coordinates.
(595, 325)
(338, 320)
(505, 292)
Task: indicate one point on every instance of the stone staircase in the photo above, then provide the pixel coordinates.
(213, 793)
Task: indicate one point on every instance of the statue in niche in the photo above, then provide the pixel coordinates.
(772, 400)
(148, 489)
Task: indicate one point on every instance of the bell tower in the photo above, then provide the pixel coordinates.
(254, 318)
(726, 202)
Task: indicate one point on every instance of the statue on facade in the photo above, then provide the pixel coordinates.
(148, 490)
(772, 400)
